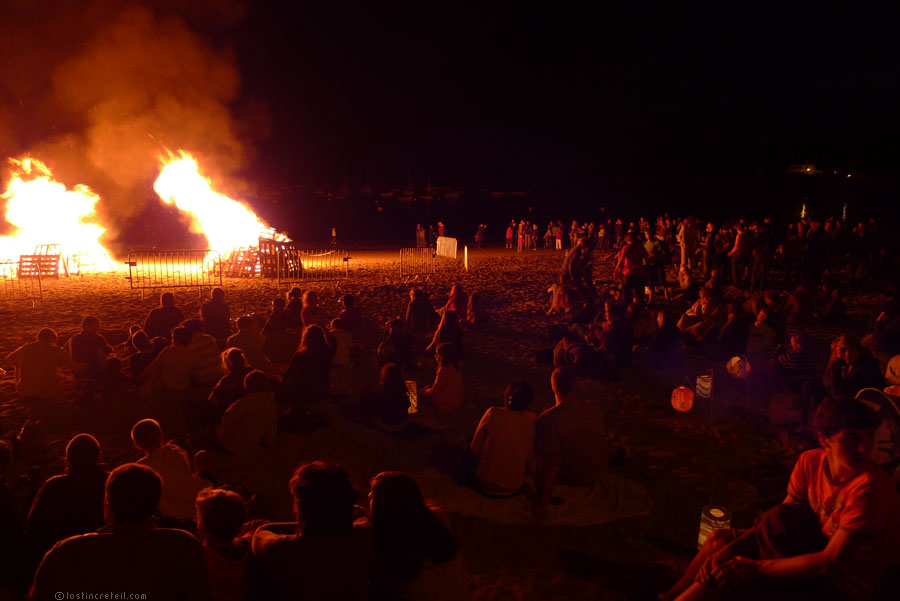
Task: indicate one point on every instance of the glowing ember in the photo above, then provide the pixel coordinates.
(226, 223)
(44, 212)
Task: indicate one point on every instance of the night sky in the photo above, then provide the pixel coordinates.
(509, 93)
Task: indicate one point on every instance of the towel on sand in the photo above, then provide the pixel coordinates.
(611, 498)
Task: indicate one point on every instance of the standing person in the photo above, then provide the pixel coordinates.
(479, 236)
(573, 234)
(216, 317)
(630, 265)
(708, 249)
(740, 255)
(334, 236)
(558, 229)
(165, 318)
(38, 364)
(440, 229)
(510, 234)
(420, 236)
(548, 236)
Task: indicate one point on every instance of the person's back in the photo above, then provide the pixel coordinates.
(130, 555)
(162, 320)
(250, 342)
(90, 348)
(37, 365)
(216, 317)
(250, 423)
(420, 315)
(508, 447)
(208, 368)
(574, 435)
(174, 366)
(343, 344)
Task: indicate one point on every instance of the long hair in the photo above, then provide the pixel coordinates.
(406, 531)
(314, 341)
(392, 383)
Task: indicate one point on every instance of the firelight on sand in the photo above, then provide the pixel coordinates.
(226, 223)
(44, 211)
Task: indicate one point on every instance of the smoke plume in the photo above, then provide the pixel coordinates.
(99, 90)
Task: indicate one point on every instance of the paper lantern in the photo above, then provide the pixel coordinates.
(704, 386)
(412, 393)
(712, 518)
(683, 398)
(738, 367)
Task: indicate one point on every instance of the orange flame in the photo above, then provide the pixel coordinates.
(45, 212)
(227, 224)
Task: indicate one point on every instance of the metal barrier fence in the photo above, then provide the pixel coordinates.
(446, 247)
(416, 261)
(15, 287)
(152, 270)
(295, 265)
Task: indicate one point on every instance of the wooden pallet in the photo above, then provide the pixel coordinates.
(38, 266)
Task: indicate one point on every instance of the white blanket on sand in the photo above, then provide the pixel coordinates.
(611, 498)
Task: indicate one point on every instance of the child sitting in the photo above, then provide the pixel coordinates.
(351, 315)
(343, 342)
(396, 346)
(420, 314)
(220, 520)
(250, 341)
(251, 422)
(447, 390)
(477, 314)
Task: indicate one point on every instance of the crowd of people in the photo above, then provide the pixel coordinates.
(170, 526)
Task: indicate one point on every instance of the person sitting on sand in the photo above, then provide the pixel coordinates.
(571, 441)
(420, 314)
(448, 331)
(397, 346)
(850, 369)
(389, 401)
(251, 422)
(835, 536)
(343, 342)
(761, 336)
(416, 556)
(231, 386)
(702, 318)
(216, 316)
(70, 503)
(446, 392)
(130, 551)
(476, 314)
(280, 333)
(308, 376)
(221, 515)
(208, 368)
(90, 348)
(165, 318)
(666, 348)
(38, 364)
(351, 314)
(311, 313)
(180, 485)
(504, 442)
(295, 302)
(250, 342)
(326, 553)
(146, 353)
(458, 302)
(171, 370)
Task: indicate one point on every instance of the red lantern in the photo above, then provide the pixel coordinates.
(683, 398)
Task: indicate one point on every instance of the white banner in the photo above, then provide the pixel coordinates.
(446, 247)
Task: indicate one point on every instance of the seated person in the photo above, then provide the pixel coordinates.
(325, 554)
(416, 556)
(216, 316)
(571, 443)
(761, 336)
(146, 353)
(850, 369)
(38, 364)
(504, 442)
(390, 401)
(308, 376)
(90, 348)
(836, 536)
(446, 392)
(702, 319)
(351, 315)
(614, 337)
(71, 503)
(250, 342)
(220, 524)
(231, 386)
(732, 337)
(420, 315)
(165, 318)
(280, 333)
(295, 302)
(795, 365)
(343, 341)
(458, 302)
(130, 553)
(798, 310)
(311, 313)
(180, 485)
(208, 368)
(448, 331)
(688, 289)
(666, 348)
(171, 371)
(397, 346)
(250, 424)
(477, 314)
(829, 306)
